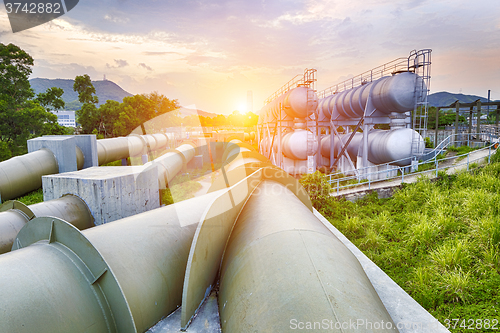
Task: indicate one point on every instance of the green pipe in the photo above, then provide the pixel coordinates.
(275, 276)
(118, 277)
(23, 174)
(14, 215)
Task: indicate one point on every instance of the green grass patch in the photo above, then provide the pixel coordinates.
(182, 187)
(32, 197)
(440, 240)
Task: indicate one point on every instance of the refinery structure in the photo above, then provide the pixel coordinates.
(301, 130)
(248, 253)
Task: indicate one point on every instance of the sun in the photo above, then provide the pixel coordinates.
(242, 107)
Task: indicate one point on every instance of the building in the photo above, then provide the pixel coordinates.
(65, 118)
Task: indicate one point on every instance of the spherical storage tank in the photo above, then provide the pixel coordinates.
(389, 94)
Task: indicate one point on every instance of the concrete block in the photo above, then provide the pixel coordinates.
(63, 148)
(88, 145)
(111, 193)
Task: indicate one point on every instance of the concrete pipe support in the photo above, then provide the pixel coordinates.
(294, 270)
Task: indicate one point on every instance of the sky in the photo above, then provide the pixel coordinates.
(208, 54)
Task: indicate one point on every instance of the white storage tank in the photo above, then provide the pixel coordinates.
(294, 144)
(389, 94)
(384, 146)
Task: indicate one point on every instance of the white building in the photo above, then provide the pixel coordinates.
(65, 118)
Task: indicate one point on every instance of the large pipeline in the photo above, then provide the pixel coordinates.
(14, 215)
(293, 270)
(119, 277)
(171, 163)
(126, 275)
(22, 174)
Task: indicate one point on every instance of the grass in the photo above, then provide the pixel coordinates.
(32, 197)
(440, 240)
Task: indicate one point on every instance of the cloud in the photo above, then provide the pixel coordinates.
(116, 19)
(119, 63)
(143, 65)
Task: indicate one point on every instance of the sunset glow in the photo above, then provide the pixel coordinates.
(211, 53)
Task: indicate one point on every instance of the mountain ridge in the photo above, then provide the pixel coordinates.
(444, 98)
(105, 90)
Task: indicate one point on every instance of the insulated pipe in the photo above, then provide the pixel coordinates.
(275, 275)
(388, 94)
(118, 277)
(14, 215)
(23, 174)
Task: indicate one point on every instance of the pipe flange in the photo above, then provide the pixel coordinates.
(18, 206)
(52, 231)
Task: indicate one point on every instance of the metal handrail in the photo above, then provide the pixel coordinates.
(401, 170)
(434, 153)
(390, 167)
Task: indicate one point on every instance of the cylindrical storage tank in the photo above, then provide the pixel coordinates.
(384, 146)
(389, 94)
(298, 102)
(119, 277)
(291, 270)
(23, 174)
(392, 145)
(352, 149)
(294, 144)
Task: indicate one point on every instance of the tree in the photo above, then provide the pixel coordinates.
(85, 89)
(21, 116)
(87, 116)
(134, 111)
(51, 99)
(161, 103)
(109, 114)
(15, 68)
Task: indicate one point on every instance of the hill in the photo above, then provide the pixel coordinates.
(444, 98)
(105, 90)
